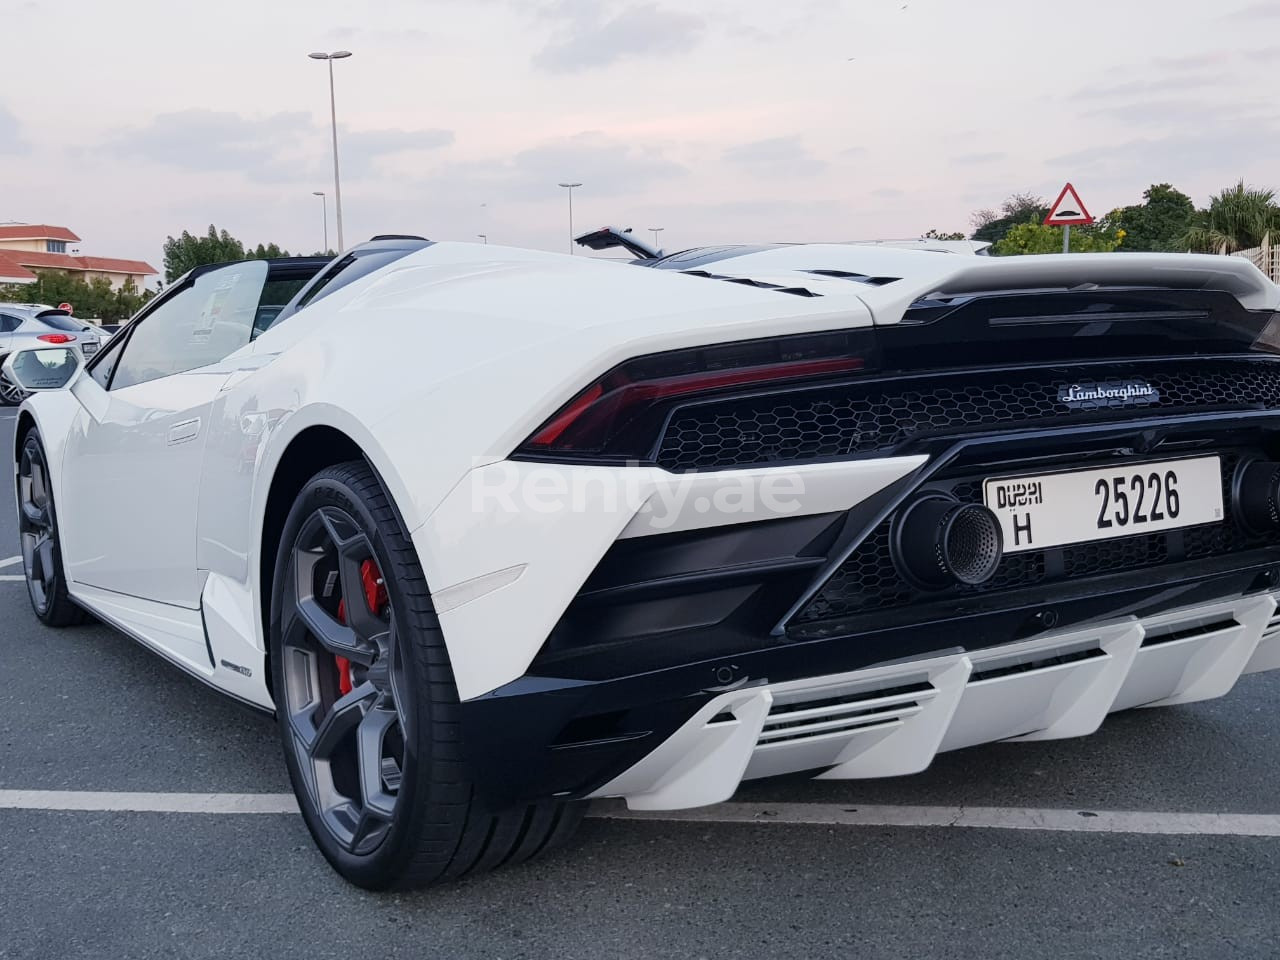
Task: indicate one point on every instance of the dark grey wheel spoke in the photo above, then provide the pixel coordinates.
(354, 549)
(368, 824)
(370, 735)
(44, 551)
(343, 717)
(35, 514)
(332, 635)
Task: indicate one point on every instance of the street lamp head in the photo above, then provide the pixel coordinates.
(317, 193)
(571, 185)
(318, 56)
(336, 55)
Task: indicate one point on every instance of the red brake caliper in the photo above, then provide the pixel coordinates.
(375, 597)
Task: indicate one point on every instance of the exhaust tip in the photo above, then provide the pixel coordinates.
(1257, 495)
(940, 542)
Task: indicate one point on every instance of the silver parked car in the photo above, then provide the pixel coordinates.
(32, 325)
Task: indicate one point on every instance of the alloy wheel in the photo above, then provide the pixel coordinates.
(10, 392)
(345, 686)
(36, 527)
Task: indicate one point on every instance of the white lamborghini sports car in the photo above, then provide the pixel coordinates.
(495, 531)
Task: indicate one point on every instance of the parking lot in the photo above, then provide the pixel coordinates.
(1182, 874)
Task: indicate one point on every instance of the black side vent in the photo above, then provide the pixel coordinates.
(856, 277)
(748, 282)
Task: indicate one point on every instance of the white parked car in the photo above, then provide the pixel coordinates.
(495, 531)
(35, 325)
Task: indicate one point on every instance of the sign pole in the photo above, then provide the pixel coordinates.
(1066, 238)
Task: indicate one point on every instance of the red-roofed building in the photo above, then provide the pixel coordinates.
(27, 247)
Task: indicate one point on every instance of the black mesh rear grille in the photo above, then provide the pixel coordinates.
(868, 581)
(845, 419)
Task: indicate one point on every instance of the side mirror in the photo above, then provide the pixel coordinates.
(44, 368)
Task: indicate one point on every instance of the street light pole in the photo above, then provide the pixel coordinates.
(333, 119)
(569, 187)
(655, 231)
(324, 205)
(484, 237)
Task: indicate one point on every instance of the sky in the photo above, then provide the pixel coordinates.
(717, 120)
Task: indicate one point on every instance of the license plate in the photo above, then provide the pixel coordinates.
(1055, 509)
(90, 348)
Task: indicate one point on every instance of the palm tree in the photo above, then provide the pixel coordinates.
(1238, 218)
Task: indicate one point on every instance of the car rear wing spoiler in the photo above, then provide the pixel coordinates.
(609, 238)
(1074, 273)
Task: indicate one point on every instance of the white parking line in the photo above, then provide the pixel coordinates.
(11, 561)
(821, 814)
(12, 578)
(148, 802)
(995, 818)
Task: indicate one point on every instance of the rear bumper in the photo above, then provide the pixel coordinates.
(893, 720)
(687, 736)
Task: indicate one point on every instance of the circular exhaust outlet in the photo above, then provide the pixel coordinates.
(939, 542)
(1257, 495)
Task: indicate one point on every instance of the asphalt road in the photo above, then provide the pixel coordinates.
(87, 709)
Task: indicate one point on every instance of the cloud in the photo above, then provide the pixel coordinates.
(775, 157)
(282, 146)
(604, 165)
(607, 168)
(977, 159)
(214, 140)
(1255, 11)
(362, 149)
(888, 193)
(1185, 139)
(588, 40)
(10, 139)
(1153, 87)
(400, 38)
(1187, 114)
(395, 141)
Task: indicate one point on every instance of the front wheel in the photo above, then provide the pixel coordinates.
(367, 707)
(38, 533)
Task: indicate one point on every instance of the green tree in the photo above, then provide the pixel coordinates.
(130, 299)
(217, 246)
(187, 251)
(1158, 224)
(1026, 238)
(95, 299)
(270, 252)
(1237, 219)
(1019, 208)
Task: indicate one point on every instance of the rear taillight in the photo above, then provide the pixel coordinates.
(56, 338)
(619, 417)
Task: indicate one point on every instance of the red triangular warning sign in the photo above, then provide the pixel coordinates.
(1068, 210)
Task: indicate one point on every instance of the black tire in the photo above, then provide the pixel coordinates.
(38, 533)
(405, 816)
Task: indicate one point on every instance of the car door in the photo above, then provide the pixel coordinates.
(131, 473)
